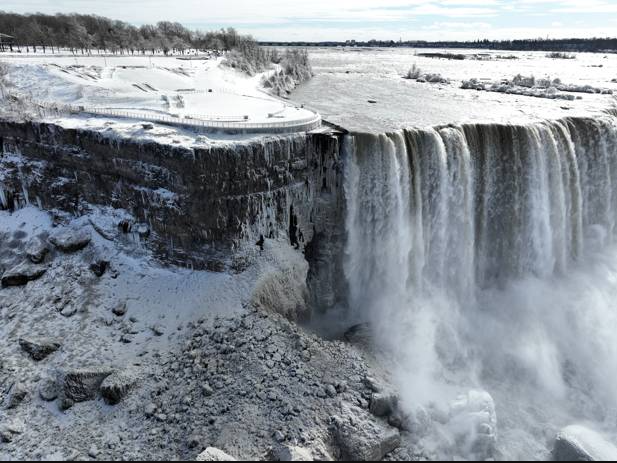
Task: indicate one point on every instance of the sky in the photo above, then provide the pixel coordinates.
(319, 20)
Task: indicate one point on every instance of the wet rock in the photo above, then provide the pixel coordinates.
(212, 454)
(117, 386)
(360, 439)
(37, 250)
(17, 395)
(70, 240)
(383, 403)
(39, 348)
(83, 385)
(577, 443)
(22, 273)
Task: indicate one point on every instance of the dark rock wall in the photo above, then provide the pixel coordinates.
(198, 202)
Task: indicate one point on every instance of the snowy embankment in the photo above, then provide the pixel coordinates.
(195, 93)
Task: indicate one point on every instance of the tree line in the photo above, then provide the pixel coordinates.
(85, 33)
(556, 45)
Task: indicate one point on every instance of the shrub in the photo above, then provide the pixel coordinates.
(560, 55)
(414, 73)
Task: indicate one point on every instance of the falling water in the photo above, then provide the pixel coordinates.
(485, 257)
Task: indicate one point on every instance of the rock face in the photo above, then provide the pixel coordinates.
(70, 240)
(117, 385)
(39, 348)
(22, 273)
(364, 440)
(83, 385)
(577, 443)
(203, 199)
(212, 454)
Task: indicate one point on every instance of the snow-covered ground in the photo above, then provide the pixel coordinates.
(363, 89)
(151, 86)
(198, 366)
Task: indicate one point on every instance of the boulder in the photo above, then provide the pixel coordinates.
(212, 454)
(363, 439)
(39, 348)
(83, 385)
(36, 250)
(116, 386)
(472, 421)
(383, 403)
(70, 240)
(22, 273)
(48, 390)
(291, 453)
(578, 443)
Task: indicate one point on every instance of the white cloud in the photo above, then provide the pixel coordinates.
(328, 19)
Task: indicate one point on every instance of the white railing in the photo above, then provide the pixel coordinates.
(299, 125)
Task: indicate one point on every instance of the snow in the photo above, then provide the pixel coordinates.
(150, 85)
(590, 442)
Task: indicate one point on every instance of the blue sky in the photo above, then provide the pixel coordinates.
(359, 19)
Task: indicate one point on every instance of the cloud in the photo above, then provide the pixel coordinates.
(328, 19)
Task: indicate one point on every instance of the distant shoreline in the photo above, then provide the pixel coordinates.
(604, 45)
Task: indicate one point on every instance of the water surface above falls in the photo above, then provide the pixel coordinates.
(363, 90)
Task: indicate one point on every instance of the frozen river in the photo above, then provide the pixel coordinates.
(363, 89)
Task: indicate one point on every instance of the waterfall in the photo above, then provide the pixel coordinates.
(462, 207)
(485, 256)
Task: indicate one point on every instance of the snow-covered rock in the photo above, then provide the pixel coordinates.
(212, 454)
(117, 385)
(17, 395)
(291, 453)
(70, 240)
(22, 273)
(83, 385)
(362, 439)
(578, 443)
(37, 250)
